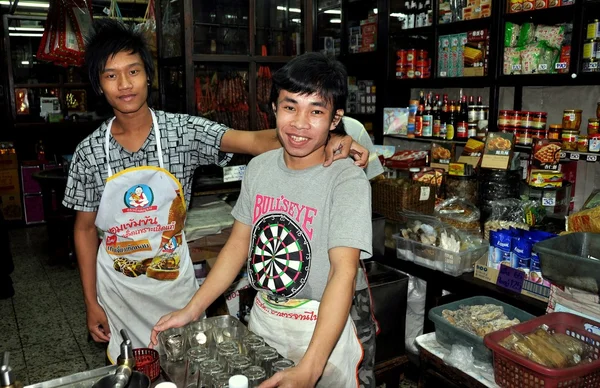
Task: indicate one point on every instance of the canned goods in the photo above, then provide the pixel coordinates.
(591, 49)
(594, 143)
(411, 56)
(462, 130)
(539, 120)
(593, 126)
(503, 118)
(554, 132)
(593, 30)
(569, 140)
(582, 143)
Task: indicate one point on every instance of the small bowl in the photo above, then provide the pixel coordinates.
(147, 361)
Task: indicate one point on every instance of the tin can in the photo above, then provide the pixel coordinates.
(593, 30)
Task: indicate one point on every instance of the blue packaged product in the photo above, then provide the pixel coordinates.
(521, 254)
(502, 249)
(491, 251)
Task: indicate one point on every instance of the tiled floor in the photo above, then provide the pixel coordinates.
(43, 326)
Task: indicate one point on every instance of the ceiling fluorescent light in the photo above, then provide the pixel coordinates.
(34, 29)
(282, 8)
(31, 35)
(334, 11)
(29, 4)
(335, 21)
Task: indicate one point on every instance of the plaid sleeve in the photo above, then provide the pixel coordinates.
(207, 136)
(81, 193)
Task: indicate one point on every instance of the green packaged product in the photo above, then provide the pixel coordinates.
(526, 34)
(511, 34)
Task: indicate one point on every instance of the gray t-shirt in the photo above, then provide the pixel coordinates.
(296, 217)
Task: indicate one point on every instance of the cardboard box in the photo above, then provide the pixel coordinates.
(475, 53)
(208, 248)
(529, 288)
(498, 150)
(11, 207)
(545, 154)
(455, 55)
(442, 153)
(9, 182)
(443, 55)
(544, 178)
(8, 159)
(472, 152)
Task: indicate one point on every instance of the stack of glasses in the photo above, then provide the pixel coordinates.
(214, 349)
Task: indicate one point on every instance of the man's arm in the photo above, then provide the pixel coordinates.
(333, 314)
(258, 142)
(86, 249)
(229, 262)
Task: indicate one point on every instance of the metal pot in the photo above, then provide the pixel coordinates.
(137, 380)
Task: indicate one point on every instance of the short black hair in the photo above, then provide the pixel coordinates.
(314, 73)
(107, 38)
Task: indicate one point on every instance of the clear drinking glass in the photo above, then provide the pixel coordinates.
(193, 358)
(221, 380)
(221, 323)
(172, 342)
(264, 357)
(282, 364)
(237, 363)
(255, 375)
(208, 369)
(225, 350)
(234, 333)
(199, 333)
(250, 343)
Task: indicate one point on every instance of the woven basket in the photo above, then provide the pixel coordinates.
(390, 197)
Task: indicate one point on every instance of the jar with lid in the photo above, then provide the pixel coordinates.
(582, 143)
(524, 136)
(504, 118)
(539, 120)
(571, 119)
(526, 119)
(569, 140)
(594, 143)
(555, 131)
(539, 133)
(514, 119)
(593, 126)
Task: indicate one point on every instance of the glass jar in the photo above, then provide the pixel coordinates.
(569, 140)
(594, 143)
(503, 118)
(463, 187)
(593, 126)
(514, 119)
(524, 136)
(472, 130)
(539, 133)
(571, 119)
(554, 132)
(539, 120)
(582, 143)
(526, 120)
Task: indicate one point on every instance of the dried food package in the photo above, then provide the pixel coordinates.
(531, 56)
(459, 213)
(552, 35)
(526, 34)
(511, 34)
(512, 61)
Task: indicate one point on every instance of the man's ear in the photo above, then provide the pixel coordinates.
(274, 108)
(337, 117)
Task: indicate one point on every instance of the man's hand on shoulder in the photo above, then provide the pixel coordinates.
(340, 147)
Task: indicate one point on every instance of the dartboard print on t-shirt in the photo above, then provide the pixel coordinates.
(280, 256)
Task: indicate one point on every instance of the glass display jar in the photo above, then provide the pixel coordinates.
(571, 119)
(569, 140)
(555, 131)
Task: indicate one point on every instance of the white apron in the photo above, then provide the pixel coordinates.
(289, 326)
(144, 270)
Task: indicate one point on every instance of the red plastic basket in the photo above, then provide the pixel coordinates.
(514, 371)
(147, 361)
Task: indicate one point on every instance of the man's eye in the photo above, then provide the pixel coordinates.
(134, 72)
(317, 112)
(290, 108)
(111, 76)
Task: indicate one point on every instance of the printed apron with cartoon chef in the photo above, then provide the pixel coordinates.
(144, 270)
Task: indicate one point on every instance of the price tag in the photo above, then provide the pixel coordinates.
(563, 155)
(591, 158)
(510, 278)
(561, 65)
(548, 201)
(106, 11)
(425, 192)
(543, 66)
(574, 156)
(443, 73)
(516, 67)
(233, 173)
(593, 65)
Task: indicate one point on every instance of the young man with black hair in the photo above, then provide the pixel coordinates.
(302, 229)
(132, 179)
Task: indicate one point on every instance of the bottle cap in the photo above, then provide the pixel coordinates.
(238, 381)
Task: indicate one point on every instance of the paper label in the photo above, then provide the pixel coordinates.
(233, 173)
(510, 278)
(425, 192)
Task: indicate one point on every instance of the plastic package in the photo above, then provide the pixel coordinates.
(511, 34)
(415, 312)
(531, 55)
(460, 213)
(553, 36)
(526, 35)
(463, 187)
(460, 357)
(515, 213)
(512, 61)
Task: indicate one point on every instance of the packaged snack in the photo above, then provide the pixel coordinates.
(502, 248)
(526, 34)
(511, 34)
(547, 60)
(521, 254)
(512, 61)
(531, 56)
(552, 35)
(459, 213)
